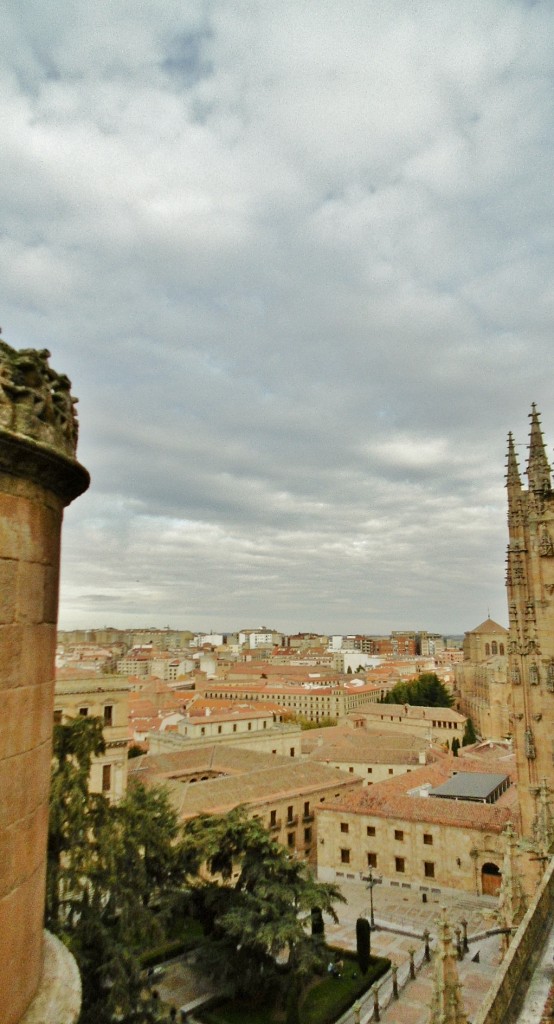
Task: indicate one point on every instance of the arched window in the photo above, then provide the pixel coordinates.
(501, 648)
(494, 647)
(487, 648)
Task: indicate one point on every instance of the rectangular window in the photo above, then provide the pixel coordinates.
(58, 717)
(292, 751)
(307, 836)
(390, 771)
(370, 771)
(106, 777)
(372, 860)
(108, 714)
(83, 712)
(429, 869)
(344, 826)
(345, 856)
(370, 830)
(400, 865)
(249, 725)
(306, 808)
(219, 729)
(290, 838)
(427, 839)
(273, 818)
(398, 834)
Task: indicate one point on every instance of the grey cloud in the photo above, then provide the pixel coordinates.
(298, 268)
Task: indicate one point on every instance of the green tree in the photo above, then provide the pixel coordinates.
(75, 817)
(425, 691)
(470, 736)
(265, 912)
(455, 746)
(363, 943)
(110, 869)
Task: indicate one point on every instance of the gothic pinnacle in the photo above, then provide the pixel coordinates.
(513, 479)
(538, 469)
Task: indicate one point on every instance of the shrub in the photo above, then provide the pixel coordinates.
(363, 943)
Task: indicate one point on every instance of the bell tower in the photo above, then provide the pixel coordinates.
(530, 592)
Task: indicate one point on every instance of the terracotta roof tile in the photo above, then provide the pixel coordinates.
(397, 798)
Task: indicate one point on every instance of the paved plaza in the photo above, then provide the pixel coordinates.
(403, 908)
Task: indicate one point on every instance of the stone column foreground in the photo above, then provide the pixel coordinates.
(39, 476)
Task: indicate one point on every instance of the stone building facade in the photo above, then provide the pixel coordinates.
(530, 591)
(482, 691)
(106, 697)
(38, 478)
(413, 839)
(281, 792)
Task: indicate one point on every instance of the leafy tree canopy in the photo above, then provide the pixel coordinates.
(116, 874)
(425, 691)
(262, 912)
(109, 868)
(470, 736)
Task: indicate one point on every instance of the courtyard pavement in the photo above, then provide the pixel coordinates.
(403, 908)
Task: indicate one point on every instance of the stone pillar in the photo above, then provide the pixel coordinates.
(446, 1006)
(39, 476)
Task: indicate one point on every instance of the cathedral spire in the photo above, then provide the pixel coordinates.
(538, 469)
(513, 479)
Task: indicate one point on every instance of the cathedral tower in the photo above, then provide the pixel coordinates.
(530, 591)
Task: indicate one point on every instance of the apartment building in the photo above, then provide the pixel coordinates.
(106, 697)
(281, 792)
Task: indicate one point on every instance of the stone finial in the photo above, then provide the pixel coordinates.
(35, 401)
(512, 904)
(446, 1006)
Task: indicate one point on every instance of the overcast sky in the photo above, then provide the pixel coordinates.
(297, 259)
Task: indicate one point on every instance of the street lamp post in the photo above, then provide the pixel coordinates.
(370, 883)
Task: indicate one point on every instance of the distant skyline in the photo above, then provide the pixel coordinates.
(297, 261)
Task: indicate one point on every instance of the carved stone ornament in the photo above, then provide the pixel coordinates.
(533, 674)
(516, 678)
(546, 547)
(550, 676)
(530, 752)
(35, 401)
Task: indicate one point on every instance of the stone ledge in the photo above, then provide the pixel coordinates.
(58, 1000)
(24, 457)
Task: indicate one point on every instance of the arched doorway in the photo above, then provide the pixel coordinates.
(491, 879)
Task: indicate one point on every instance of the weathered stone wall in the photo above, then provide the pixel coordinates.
(38, 477)
(512, 979)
